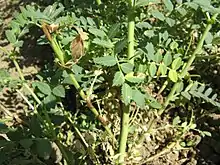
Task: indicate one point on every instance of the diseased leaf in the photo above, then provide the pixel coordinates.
(173, 75)
(106, 61)
(59, 91)
(126, 93)
(118, 79)
(127, 67)
(139, 98)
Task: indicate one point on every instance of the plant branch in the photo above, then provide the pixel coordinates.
(125, 114)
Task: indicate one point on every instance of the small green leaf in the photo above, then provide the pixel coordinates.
(171, 22)
(139, 98)
(43, 87)
(127, 67)
(149, 33)
(113, 30)
(50, 101)
(163, 69)
(167, 58)
(168, 4)
(173, 75)
(209, 38)
(135, 79)
(176, 64)
(208, 92)
(158, 15)
(97, 32)
(155, 105)
(201, 88)
(106, 61)
(142, 25)
(151, 51)
(59, 91)
(103, 43)
(119, 46)
(207, 133)
(26, 143)
(158, 56)
(118, 79)
(90, 21)
(152, 69)
(10, 36)
(44, 148)
(186, 95)
(126, 93)
(176, 121)
(174, 45)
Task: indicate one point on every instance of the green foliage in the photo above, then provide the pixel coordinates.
(166, 36)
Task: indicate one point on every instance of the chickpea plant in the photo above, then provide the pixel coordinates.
(129, 61)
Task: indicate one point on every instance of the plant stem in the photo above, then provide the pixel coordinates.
(91, 107)
(126, 108)
(51, 129)
(189, 63)
(182, 74)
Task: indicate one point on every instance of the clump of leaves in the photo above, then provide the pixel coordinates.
(154, 75)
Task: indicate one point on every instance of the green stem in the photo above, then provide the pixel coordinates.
(189, 63)
(51, 128)
(125, 113)
(91, 107)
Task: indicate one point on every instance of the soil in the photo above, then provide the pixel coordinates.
(207, 152)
